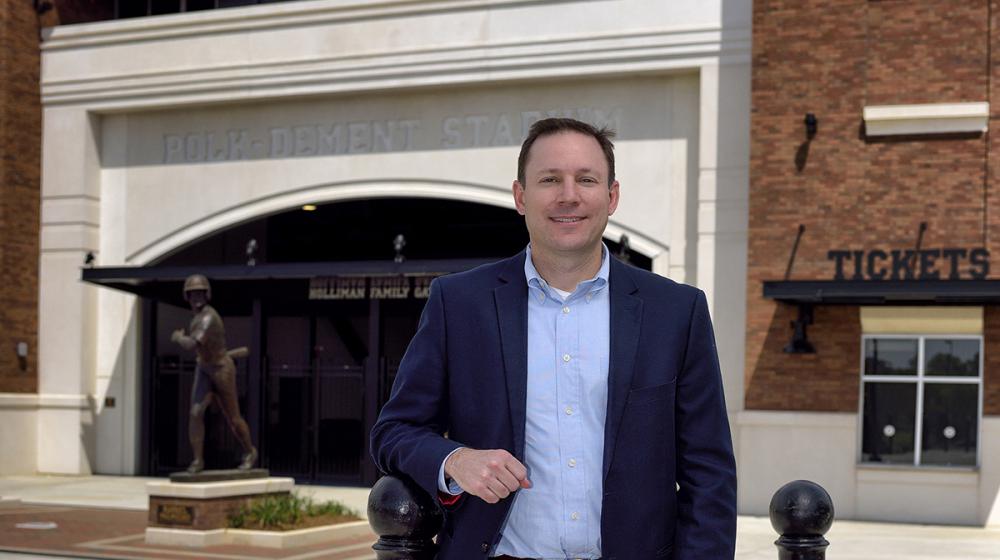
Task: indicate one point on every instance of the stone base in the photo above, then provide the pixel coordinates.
(262, 539)
(218, 475)
(185, 537)
(206, 506)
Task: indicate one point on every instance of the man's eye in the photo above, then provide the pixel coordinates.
(588, 180)
(548, 180)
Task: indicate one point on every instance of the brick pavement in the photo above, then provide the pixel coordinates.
(116, 533)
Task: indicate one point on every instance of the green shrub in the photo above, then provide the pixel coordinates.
(284, 511)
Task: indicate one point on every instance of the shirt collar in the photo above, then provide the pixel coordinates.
(599, 281)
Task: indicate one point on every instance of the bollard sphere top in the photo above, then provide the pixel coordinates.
(399, 508)
(801, 508)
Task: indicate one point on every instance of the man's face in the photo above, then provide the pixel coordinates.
(197, 299)
(565, 200)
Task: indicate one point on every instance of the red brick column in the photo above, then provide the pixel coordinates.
(20, 171)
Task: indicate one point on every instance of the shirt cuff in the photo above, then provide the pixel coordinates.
(448, 486)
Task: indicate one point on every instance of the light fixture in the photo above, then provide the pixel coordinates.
(398, 243)
(22, 355)
(309, 207)
(812, 125)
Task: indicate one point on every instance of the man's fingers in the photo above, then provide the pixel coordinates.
(498, 488)
(490, 474)
(507, 480)
(518, 470)
(490, 497)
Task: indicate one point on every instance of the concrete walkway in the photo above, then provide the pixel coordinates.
(129, 492)
(856, 540)
(850, 540)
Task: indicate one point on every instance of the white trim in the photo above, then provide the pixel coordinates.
(18, 400)
(625, 54)
(264, 539)
(487, 57)
(205, 490)
(185, 537)
(244, 211)
(55, 401)
(250, 18)
(299, 537)
(918, 420)
(930, 118)
(905, 474)
(796, 419)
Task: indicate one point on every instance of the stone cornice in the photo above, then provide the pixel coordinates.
(254, 18)
(930, 118)
(320, 73)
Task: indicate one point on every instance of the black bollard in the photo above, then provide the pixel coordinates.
(405, 519)
(801, 512)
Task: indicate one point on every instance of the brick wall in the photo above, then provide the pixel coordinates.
(20, 169)
(832, 58)
(20, 174)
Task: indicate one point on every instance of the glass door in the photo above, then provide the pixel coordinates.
(340, 354)
(289, 408)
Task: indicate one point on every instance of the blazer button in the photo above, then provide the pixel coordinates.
(485, 547)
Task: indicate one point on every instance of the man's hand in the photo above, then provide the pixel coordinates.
(177, 335)
(490, 474)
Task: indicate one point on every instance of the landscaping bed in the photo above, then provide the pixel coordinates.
(290, 512)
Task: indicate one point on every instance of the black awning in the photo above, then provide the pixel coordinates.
(878, 292)
(162, 282)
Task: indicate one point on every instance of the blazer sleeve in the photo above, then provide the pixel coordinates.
(706, 469)
(408, 437)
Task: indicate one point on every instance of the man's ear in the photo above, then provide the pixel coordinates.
(517, 189)
(614, 194)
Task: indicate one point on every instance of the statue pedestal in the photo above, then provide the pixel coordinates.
(196, 513)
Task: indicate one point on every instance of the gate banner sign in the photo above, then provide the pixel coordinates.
(910, 264)
(371, 287)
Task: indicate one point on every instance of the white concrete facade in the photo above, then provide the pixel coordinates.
(160, 131)
(823, 447)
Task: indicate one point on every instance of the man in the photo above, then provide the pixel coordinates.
(581, 397)
(214, 376)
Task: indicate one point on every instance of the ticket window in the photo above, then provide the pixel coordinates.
(921, 386)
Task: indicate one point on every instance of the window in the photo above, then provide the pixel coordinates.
(921, 399)
(141, 8)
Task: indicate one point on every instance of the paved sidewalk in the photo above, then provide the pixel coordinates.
(107, 515)
(857, 540)
(129, 492)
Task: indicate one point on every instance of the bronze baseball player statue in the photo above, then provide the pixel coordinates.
(215, 374)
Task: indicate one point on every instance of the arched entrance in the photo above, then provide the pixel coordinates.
(327, 301)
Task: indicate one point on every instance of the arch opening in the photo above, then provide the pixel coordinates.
(320, 366)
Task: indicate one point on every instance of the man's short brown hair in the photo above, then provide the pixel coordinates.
(557, 125)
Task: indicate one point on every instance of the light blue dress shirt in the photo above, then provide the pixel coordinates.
(568, 349)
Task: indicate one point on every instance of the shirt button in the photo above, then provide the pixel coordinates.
(569, 410)
(588, 297)
(485, 547)
(565, 309)
(572, 463)
(566, 357)
(574, 516)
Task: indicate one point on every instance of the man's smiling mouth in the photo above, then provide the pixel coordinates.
(567, 220)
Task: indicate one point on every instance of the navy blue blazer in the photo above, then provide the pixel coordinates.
(669, 473)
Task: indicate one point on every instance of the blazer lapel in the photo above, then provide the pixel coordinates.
(511, 300)
(626, 317)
